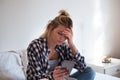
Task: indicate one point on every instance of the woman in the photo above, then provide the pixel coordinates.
(46, 53)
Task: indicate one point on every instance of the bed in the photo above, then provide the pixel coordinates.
(100, 76)
(13, 66)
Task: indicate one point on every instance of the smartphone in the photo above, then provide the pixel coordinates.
(68, 64)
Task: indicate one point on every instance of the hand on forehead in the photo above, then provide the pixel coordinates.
(66, 30)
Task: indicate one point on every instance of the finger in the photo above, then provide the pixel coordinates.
(58, 75)
(61, 74)
(58, 78)
(57, 67)
(68, 35)
(67, 29)
(61, 70)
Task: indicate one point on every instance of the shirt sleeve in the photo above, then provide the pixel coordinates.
(78, 58)
(35, 69)
(80, 62)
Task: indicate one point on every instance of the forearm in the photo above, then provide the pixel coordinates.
(73, 47)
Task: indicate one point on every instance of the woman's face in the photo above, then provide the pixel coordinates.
(57, 35)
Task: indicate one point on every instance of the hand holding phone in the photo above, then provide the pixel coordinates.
(68, 64)
(60, 72)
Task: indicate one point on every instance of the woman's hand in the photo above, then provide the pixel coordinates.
(59, 73)
(68, 33)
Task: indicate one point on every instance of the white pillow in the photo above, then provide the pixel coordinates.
(23, 55)
(11, 66)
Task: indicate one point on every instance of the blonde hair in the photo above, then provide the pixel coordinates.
(62, 19)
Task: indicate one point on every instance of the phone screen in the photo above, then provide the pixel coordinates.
(68, 64)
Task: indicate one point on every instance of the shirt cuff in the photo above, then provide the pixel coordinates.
(77, 55)
(44, 79)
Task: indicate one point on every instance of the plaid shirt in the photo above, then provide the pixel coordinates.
(38, 66)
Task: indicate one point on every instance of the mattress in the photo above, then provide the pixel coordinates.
(100, 76)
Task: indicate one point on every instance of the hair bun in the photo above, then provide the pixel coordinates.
(64, 13)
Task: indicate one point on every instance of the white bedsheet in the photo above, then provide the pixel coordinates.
(100, 76)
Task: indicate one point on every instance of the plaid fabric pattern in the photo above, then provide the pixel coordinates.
(38, 66)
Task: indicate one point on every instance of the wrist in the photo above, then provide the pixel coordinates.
(70, 42)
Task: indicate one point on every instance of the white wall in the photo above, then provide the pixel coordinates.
(101, 35)
(111, 11)
(24, 20)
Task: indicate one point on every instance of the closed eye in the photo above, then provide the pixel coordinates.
(60, 33)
